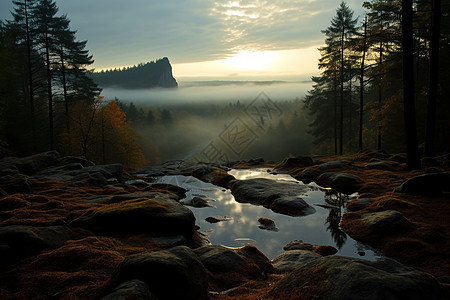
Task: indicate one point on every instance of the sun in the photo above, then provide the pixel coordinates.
(251, 60)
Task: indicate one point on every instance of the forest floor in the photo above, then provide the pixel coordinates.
(86, 264)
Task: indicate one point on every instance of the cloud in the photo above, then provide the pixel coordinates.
(123, 33)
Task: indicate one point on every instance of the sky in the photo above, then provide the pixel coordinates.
(203, 39)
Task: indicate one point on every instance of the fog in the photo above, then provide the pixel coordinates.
(208, 91)
(218, 121)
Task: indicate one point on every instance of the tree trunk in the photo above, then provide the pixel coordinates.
(434, 78)
(30, 79)
(408, 86)
(380, 98)
(49, 90)
(361, 89)
(66, 100)
(341, 127)
(335, 118)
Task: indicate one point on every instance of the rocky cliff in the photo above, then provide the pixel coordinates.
(152, 74)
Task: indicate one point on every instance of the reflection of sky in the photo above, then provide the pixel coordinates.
(243, 227)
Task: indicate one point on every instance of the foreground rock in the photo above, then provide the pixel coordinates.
(133, 289)
(172, 274)
(335, 277)
(159, 214)
(18, 241)
(341, 182)
(427, 184)
(280, 197)
(232, 267)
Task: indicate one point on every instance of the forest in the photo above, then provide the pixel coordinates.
(381, 86)
(383, 80)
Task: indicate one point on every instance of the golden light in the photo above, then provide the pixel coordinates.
(252, 60)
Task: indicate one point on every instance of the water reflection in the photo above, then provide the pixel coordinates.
(320, 228)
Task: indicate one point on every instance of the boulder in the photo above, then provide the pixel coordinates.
(130, 290)
(176, 273)
(309, 175)
(334, 164)
(380, 165)
(160, 214)
(281, 197)
(68, 160)
(17, 183)
(386, 221)
(341, 182)
(426, 184)
(198, 201)
(295, 162)
(359, 204)
(292, 259)
(22, 240)
(232, 267)
(335, 277)
(32, 164)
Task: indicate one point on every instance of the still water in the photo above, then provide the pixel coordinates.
(242, 226)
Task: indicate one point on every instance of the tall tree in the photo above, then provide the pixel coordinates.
(342, 28)
(409, 86)
(434, 78)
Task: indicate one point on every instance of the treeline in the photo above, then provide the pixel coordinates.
(152, 74)
(45, 84)
(358, 101)
(180, 131)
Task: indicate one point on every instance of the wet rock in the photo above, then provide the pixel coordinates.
(198, 201)
(351, 278)
(341, 182)
(217, 219)
(130, 290)
(267, 224)
(281, 197)
(161, 215)
(137, 182)
(426, 184)
(292, 259)
(335, 164)
(298, 245)
(309, 175)
(233, 267)
(32, 164)
(174, 189)
(24, 240)
(95, 179)
(109, 171)
(325, 250)
(176, 273)
(359, 204)
(386, 221)
(211, 174)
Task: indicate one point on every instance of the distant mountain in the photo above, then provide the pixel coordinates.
(149, 75)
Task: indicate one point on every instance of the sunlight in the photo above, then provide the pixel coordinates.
(252, 60)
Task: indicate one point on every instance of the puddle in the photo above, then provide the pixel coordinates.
(242, 226)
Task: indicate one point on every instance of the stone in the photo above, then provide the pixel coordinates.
(379, 165)
(386, 221)
(23, 240)
(337, 277)
(17, 183)
(298, 245)
(426, 184)
(32, 164)
(130, 290)
(325, 250)
(94, 178)
(217, 219)
(359, 204)
(281, 197)
(198, 201)
(335, 164)
(67, 160)
(232, 267)
(109, 171)
(309, 175)
(292, 259)
(160, 214)
(176, 273)
(341, 182)
(267, 224)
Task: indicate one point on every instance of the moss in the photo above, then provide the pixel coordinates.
(147, 206)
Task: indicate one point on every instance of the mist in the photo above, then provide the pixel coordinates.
(210, 91)
(218, 121)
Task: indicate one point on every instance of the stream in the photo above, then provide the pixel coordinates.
(241, 226)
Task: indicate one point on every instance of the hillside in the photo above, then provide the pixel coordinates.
(152, 74)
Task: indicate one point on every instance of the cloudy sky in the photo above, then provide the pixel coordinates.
(227, 40)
